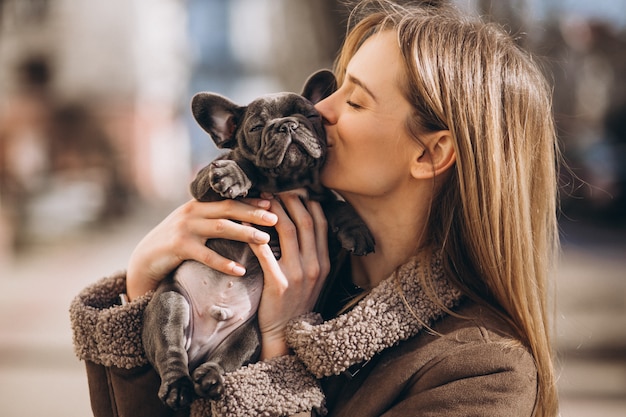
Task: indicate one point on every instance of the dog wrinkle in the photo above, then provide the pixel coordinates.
(309, 143)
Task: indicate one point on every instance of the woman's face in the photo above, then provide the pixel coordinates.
(369, 148)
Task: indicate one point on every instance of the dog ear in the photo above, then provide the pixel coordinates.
(319, 85)
(218, 116)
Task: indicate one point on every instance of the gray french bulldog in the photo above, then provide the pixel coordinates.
(202, 323)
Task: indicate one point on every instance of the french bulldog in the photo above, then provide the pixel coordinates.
(201, 323)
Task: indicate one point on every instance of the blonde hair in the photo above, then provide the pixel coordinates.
(495, 217)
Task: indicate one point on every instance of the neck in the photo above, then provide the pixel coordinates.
(398, 227)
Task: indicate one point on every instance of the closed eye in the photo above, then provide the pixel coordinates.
(256, 128)
(353, 105)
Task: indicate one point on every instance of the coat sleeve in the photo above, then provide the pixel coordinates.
(103, 330)
(477, 380)
(278, 387)
(107, 337)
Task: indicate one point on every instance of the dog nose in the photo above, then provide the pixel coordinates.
(288, 126)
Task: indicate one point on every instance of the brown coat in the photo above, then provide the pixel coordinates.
(473, 368)
(466, 366)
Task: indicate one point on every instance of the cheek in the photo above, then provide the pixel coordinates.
(353, 165)
(361, 173)
(363, 154)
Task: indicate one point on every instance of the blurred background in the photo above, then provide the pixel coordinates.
(97, 145)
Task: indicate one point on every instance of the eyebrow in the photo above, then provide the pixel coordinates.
(356, 81)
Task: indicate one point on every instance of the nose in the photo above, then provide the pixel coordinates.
(327, 108)
(289, 125)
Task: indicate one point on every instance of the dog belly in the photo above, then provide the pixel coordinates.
(219, 303)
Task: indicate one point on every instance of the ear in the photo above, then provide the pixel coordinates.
(218, 116)
(436, 158)
(319, 85)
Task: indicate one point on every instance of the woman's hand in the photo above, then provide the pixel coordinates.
(182, 236)
(293, 283)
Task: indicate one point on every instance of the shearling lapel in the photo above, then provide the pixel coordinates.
(397, 309)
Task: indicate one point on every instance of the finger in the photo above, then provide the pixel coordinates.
(309, 252)
(227, 229)
(321, 224)
(263, 203)
(253, 211)
(287, 236)
(216, 261)
(321, 236)
(304, 225)
(273, 277)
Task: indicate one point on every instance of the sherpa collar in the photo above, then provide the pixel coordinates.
(397, 309)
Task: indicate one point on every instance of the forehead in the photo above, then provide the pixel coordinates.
(377, 63)
(278, 104)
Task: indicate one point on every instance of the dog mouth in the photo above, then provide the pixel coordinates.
(296, 151)
(291, 142)
(293, 153)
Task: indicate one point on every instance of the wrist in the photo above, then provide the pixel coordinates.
(274, 347)
(136, 285)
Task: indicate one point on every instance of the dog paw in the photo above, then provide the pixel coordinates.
(348, 228)
(208, 381)
(228, 179)
(177, 394)
(358, 240)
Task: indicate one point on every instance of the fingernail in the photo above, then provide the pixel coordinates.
(239, 270)
(261, 237)
(263, 204)
(270, 217)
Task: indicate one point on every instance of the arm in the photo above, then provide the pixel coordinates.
(179, 237)
(182, 236)
(280, 384)
(107, 335)
(292, 284)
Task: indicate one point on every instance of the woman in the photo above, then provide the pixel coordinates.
(440, 135)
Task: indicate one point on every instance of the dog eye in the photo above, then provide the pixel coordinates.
(256, 128)
(313, 116)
